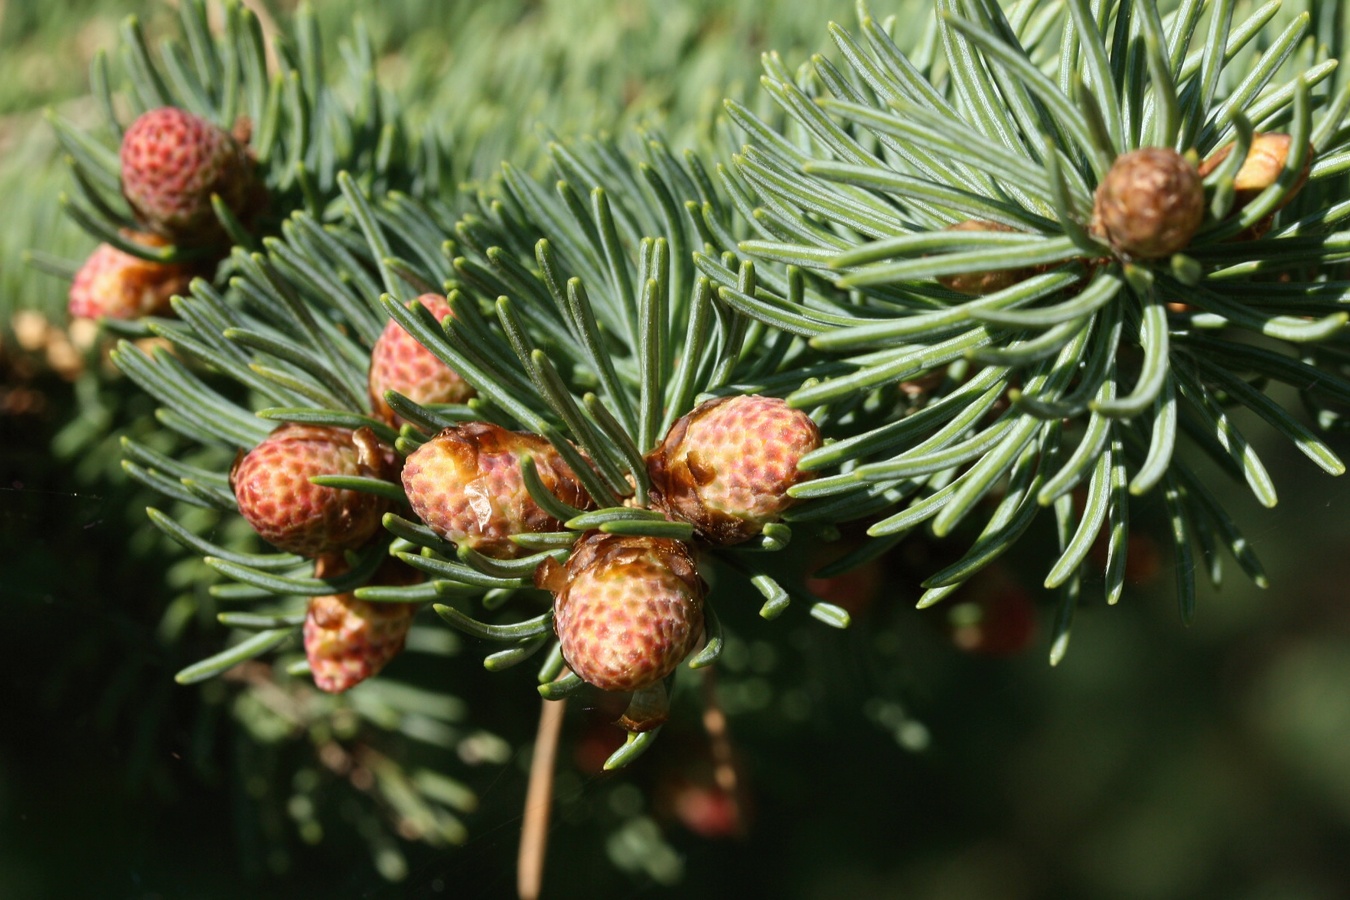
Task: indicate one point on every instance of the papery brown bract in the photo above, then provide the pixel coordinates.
(465, 484)
(114, 284)
(1265, 162)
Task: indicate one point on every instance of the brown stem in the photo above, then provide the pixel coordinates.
(538, 802)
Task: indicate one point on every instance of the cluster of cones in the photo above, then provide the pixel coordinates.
(173, 164)
(627, 609)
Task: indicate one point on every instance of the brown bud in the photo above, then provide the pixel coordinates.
(1266, 159)
(980, 283)
(1150, 204)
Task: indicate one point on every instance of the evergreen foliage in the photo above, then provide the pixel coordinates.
(800, 246)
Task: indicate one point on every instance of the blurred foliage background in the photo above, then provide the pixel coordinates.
(1155, 762)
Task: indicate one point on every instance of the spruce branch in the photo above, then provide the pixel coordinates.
(1091, 344)
(968, 377)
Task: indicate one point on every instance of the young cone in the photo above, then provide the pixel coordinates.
(1150, 204)
(398, 363)
(172, 162)
(627, 609)
(726, 467)
(116, 285)
(465, 484)
(272, 487)
(349, 640)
